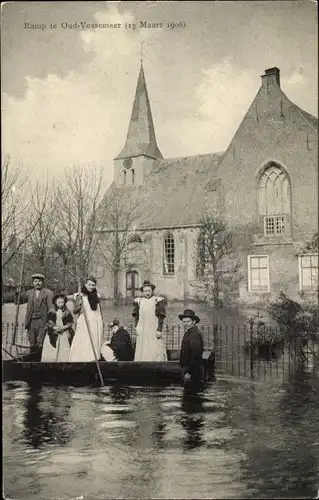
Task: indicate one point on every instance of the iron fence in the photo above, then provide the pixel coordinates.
(239, 351)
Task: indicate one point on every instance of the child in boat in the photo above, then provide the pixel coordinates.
(149, 313)
(59, 331)
(120, 347)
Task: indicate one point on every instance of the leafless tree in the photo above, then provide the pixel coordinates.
(19, 218)
(41, 241)
(215, 247)
(78, 215)
(119, 238)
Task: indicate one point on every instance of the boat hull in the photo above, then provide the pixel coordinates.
(82, 374)
(138, 373)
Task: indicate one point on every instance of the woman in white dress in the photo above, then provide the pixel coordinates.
(59, 331)
(87, 306)
(149, 313)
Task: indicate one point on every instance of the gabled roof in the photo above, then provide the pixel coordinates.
(266, 99)
(173, 194)
(141, 138)
(310, 119)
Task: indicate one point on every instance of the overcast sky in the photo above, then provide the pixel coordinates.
(68, 93)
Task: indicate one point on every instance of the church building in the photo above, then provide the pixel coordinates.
(264, 186)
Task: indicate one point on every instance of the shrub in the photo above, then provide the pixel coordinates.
(295, 322)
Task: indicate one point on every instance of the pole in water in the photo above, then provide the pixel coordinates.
(19, 296)
(93, 348)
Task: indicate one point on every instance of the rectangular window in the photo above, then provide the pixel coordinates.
(308, 272)
(274, 224)
(258, 273)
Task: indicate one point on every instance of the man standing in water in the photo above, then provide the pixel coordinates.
(39, 302)
(191, 348)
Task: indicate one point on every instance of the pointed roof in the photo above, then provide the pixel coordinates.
(141, 138)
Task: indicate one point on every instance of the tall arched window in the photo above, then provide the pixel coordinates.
(274, 200)
(124, 177)
(133, 176)
(169, 254)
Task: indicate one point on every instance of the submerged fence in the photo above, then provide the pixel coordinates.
(238, 350)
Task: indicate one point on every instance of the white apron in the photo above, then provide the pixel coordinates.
(148, 347)
(61, 352)
(81, 348)
(107, 352)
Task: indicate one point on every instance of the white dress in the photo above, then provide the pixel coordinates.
(148, 347)
(81, 348)
(59, 353)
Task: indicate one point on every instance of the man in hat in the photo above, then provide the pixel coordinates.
(40, 300)
(191, 348)
(120, 344)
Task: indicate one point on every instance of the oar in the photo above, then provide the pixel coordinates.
(9, 353)
(57, 348)
(19, 295)
(93, 348)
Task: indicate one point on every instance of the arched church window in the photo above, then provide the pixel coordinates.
(133, 176)
(169, 254)
(274, 200)
(124, 177)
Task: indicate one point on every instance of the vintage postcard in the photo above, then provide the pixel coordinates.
(159, 223)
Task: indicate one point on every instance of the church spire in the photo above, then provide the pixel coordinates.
(141, 138)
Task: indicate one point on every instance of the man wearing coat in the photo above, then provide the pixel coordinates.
(191, 348)
(40, 300)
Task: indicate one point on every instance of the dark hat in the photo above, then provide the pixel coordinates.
(91, 278)
(147, 283)
(38, 273)
(60, 295)
(188, 313)
(115, 322)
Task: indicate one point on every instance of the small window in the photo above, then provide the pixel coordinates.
(274, 224)
(308, 273)
(133, 176)
(258, 273)
(169, 254)
(124, 177)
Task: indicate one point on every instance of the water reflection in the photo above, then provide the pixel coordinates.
(121, 394)
(46, 416)
(288, 466)
(233, 440)
(192, 421)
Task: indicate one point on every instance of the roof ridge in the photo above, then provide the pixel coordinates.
(300, 111)
(219, 153)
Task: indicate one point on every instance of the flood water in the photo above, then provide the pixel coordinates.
(237, 439)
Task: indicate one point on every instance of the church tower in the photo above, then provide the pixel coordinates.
(137, 157)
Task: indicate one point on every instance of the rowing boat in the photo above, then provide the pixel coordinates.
(135, 373)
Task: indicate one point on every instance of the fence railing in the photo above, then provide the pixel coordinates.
(238, 351)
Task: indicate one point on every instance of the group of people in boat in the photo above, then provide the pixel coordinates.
(62, 336)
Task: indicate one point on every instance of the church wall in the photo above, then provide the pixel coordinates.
(280, 134)
(278, 138)
(147, 259)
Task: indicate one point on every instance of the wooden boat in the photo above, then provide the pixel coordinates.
(135, 373)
